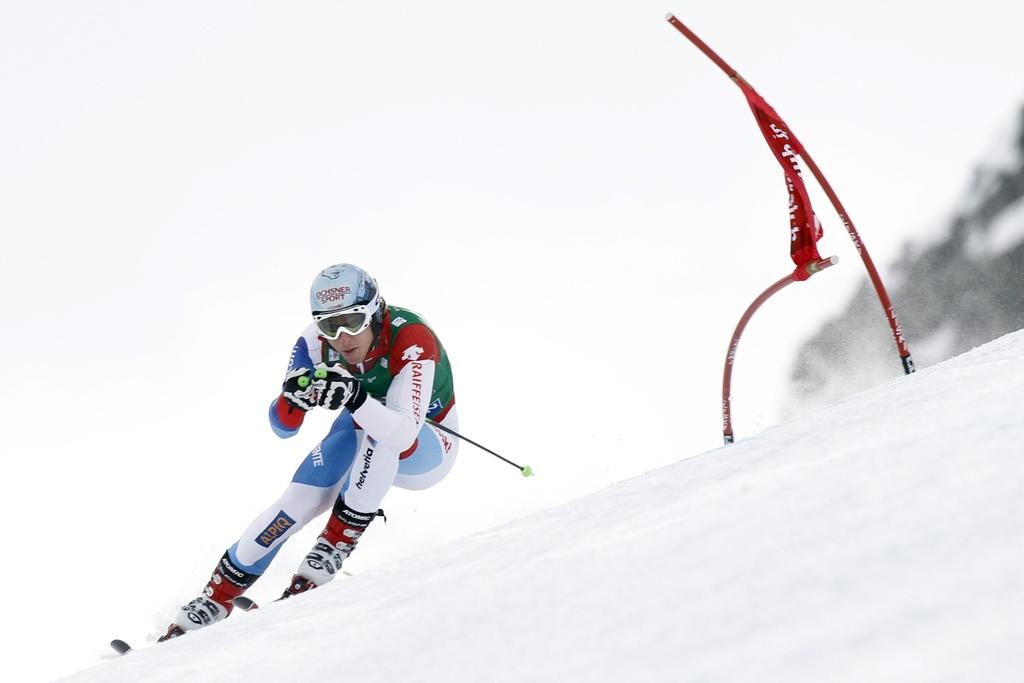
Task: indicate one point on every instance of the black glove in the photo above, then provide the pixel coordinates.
(299, 390)
(337, 388)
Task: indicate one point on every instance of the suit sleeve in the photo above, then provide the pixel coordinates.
(285, 419)
(412, 363)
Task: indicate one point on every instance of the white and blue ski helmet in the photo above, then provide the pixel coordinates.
(345, 299)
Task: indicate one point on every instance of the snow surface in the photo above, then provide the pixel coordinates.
(878, 539)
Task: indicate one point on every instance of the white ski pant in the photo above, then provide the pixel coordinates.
(350, 464)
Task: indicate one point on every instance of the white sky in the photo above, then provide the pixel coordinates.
(573, 195)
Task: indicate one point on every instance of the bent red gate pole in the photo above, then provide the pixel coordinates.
(858, 243)
(730, 357)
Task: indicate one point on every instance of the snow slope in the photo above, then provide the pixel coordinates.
(879, 539)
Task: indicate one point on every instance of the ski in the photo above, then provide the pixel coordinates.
(241, 602)
(245, 604)
(123, 648)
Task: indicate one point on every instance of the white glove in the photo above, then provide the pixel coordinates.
(299, 390)
(336, 388)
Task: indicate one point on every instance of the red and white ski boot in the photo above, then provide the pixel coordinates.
(215, 604)
(335, 543)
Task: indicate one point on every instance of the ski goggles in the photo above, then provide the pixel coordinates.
(351, 321)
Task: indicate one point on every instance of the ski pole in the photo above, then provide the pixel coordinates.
(525, 469)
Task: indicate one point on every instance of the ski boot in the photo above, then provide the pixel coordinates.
(226, 583)
(335, 543)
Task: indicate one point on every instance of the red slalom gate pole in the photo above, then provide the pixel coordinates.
(730, 357)
(858, 243)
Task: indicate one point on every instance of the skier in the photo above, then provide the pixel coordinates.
(356, 351)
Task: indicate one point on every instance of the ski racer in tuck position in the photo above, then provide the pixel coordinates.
(385, 370)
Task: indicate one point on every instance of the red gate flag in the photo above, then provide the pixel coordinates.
(804, 227)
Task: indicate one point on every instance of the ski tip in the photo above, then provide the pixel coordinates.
(120, 647)
(243, 603)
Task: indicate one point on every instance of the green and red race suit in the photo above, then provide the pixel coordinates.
(406, 369)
